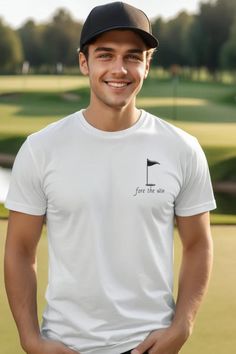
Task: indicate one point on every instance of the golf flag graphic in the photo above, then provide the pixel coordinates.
(150, 163)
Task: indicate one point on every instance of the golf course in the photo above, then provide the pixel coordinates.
(205, 109)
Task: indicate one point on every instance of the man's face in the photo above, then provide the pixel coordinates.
(117, 65)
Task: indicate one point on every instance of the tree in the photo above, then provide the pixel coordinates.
(10, 48)
(61, 38)
(178, 30)
(197, 45)
(32, 42)
(212, 26)
(228, 52)
(173, 39)
(159, 30)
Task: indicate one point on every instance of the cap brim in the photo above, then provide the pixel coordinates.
(148, 38)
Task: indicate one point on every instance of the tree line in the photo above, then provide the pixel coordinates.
(205, 39)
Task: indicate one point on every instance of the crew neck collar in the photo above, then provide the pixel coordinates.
(107, 134)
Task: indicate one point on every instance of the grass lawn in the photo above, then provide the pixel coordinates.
(200, 108)
(42, 83)
(205, 110)
(215, 327)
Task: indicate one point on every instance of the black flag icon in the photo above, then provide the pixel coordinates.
(150, 163)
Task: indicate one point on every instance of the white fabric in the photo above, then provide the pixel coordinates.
(110, 247)
(5, 174)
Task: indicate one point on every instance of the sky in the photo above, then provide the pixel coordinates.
(16, 12)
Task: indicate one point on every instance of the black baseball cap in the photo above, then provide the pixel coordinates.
(117, 15)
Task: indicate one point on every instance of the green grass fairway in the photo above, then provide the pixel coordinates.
(215, 327)
(29, 103)
(205, 110)
(42, 83)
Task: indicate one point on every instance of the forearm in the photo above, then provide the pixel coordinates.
(193, 280)
(21, 287)
(23, 235)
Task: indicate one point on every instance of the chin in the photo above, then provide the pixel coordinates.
(119, 104)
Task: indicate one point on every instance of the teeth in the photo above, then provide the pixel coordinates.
(117, 84)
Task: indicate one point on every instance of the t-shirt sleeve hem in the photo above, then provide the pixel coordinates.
(196, 209)
(27, 209)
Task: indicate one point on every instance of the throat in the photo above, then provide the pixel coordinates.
(111, 121)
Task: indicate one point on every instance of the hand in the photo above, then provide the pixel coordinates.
(44, 346)
(163, 341)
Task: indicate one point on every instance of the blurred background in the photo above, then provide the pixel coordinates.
(192, 84)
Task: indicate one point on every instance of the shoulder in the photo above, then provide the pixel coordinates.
(173, 136)
(171, 131)
(55, 132)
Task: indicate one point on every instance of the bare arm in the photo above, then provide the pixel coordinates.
(195, 269)
(23, 235)
(20, 272)
(197, 255)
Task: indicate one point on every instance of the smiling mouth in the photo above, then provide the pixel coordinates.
(117, 84)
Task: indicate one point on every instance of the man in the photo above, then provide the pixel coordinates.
(110, 179)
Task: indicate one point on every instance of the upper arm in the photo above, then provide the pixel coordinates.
(23, 232)
(26, 191)
(194, 230)
(196, 194)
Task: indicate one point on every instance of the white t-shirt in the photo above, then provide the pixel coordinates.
(110, 200)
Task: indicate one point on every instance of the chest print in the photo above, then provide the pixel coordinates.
(149, 188)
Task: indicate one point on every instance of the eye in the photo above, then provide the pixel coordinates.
(104, 56)
(134, 57)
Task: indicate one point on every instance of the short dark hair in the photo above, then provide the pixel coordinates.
(85, 50)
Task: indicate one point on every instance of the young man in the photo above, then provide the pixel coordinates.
(111, 179)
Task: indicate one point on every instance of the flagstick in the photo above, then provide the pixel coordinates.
(147, 175)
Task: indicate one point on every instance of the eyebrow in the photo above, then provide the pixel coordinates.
(108, 49)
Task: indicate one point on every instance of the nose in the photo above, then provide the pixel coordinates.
(119, 67)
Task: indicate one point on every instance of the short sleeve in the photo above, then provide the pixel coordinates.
(196, 193)
(25, 192)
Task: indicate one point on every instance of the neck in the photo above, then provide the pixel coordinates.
(110, 119)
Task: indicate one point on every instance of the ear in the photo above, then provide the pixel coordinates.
(147, 68)
(83, 64)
